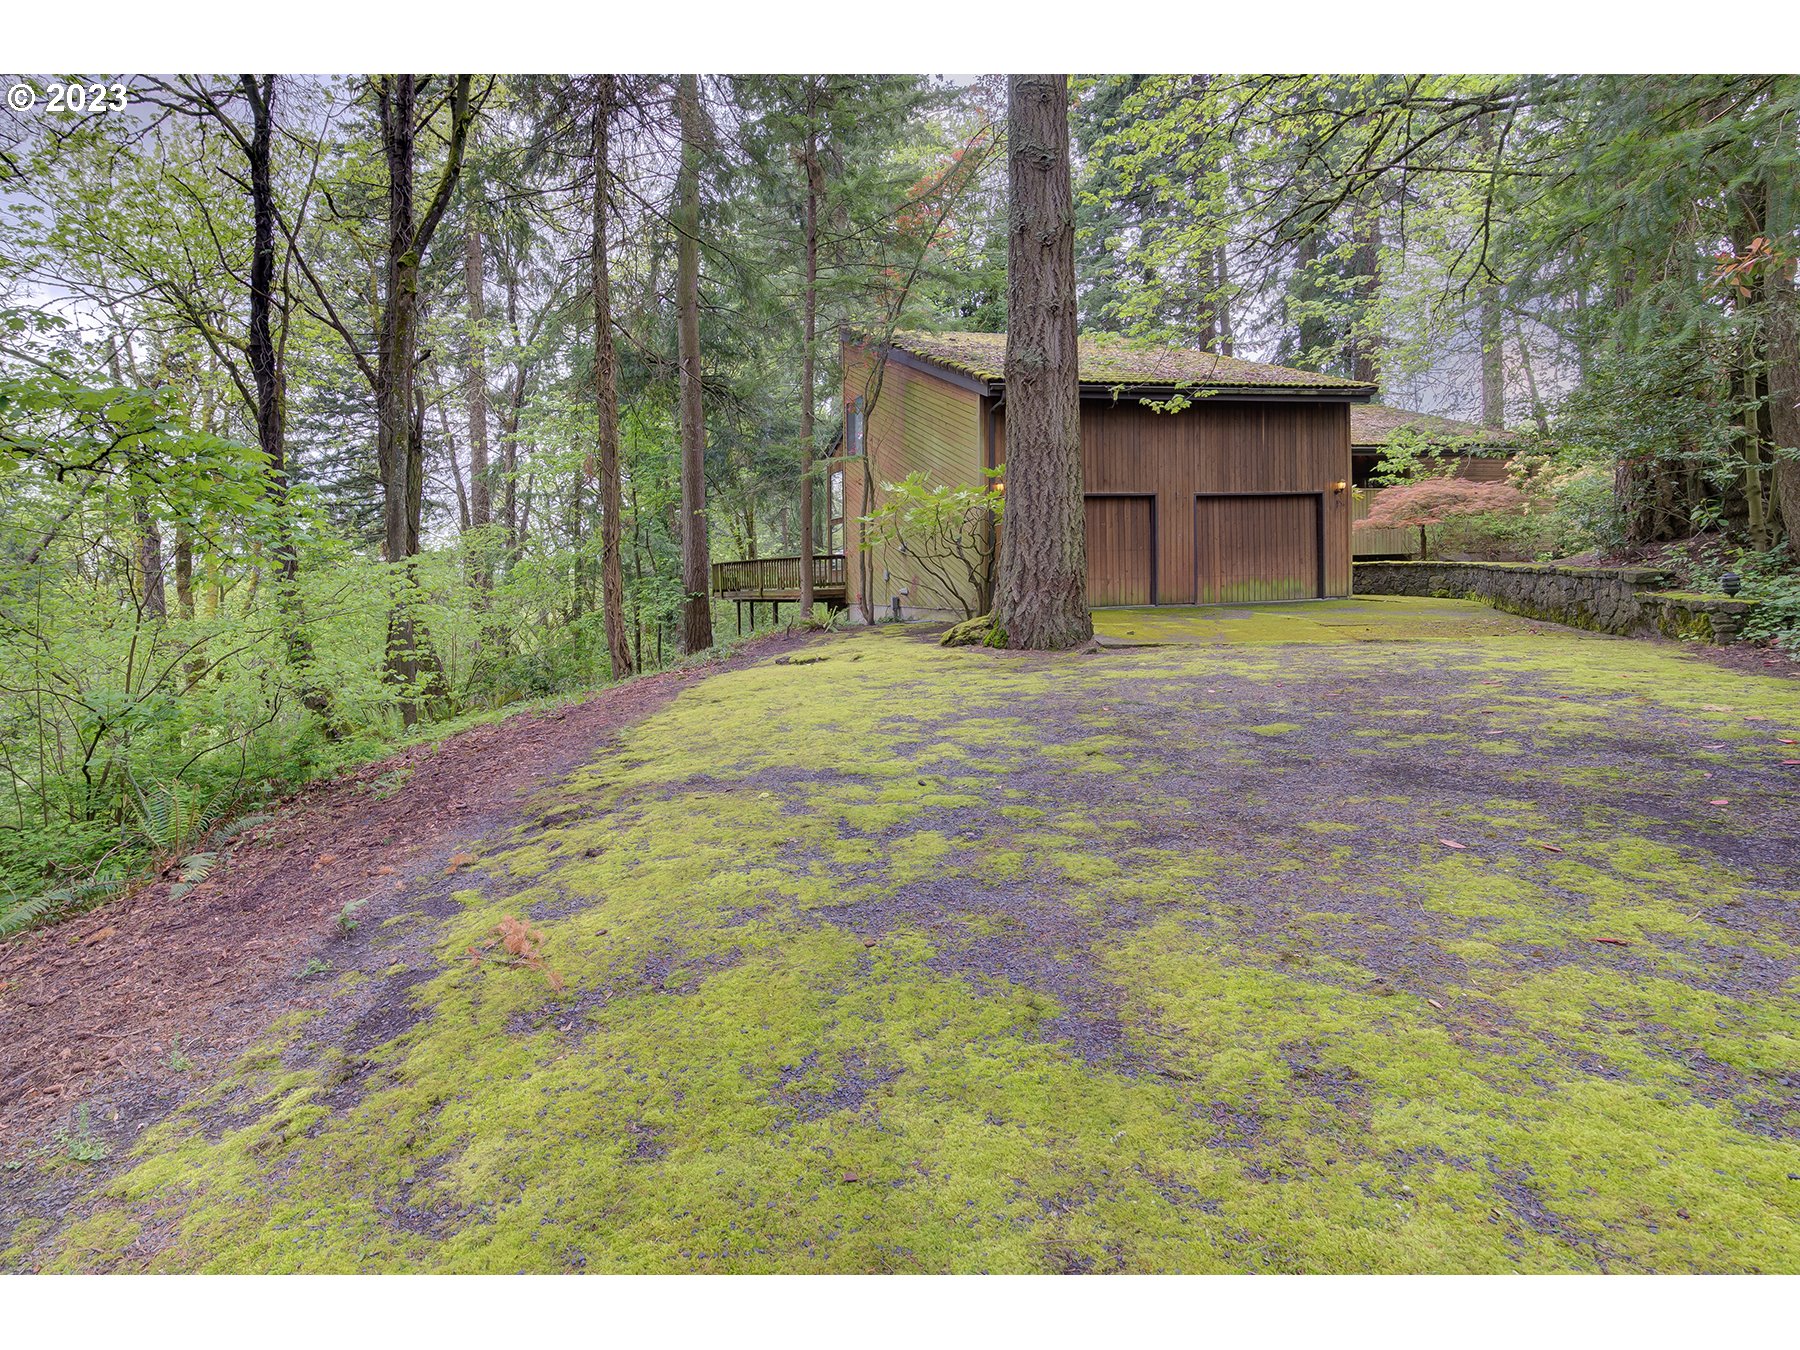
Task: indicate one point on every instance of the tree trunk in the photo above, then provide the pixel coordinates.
(515, 520)
(271, 403)
(1540, 415)
(1781, 348)
(809, 355)
(184, 571)
(399, 451)
(696, 607)
(1493, 366)
(1365, 267)
(1041, 599)
(1222, 277)
(481, 508)
(150, 562)
(606, 398)
(1314, 332)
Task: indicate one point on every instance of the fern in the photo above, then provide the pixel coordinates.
(19, 913)
(16, 915)
(171, 818)
(195, 868)
(242, 825)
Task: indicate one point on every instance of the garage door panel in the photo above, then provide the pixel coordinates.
(1120, 551)
(1256, 547)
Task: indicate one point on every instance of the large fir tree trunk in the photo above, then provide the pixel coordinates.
(809, 354)
(696, 606)
(1041, 599)
(1781, 347)
(606, 398)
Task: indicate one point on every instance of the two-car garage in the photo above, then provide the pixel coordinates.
(1208, 479)
(1246, 547)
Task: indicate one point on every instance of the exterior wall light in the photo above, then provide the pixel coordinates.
(1339, 486)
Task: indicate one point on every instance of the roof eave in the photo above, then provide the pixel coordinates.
(1197, 392)
(995, 387)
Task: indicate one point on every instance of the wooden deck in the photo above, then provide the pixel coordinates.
(776, 581)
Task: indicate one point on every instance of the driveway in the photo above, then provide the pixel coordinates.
(1376, 935)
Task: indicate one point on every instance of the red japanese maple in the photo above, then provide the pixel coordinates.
(1433, 501)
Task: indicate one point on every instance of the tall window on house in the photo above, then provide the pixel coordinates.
(834, 512)
(853, 428)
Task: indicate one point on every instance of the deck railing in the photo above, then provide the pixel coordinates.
(777, 576)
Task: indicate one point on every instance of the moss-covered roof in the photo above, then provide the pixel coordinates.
(1372, 423)
(1108, 359)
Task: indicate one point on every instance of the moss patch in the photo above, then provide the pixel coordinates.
(946, 959)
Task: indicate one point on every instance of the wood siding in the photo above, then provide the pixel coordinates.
(1121, 561)
(1377, 543)
(1249, 547)
(1485, 469)
(1221, 447)
(917, 423)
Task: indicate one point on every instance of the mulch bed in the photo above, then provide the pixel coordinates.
(91, 1009)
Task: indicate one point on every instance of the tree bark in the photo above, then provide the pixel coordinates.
(265, 372)
(1222, 277)
(399, 448)
(1493, 366)
(1314, 332)
(1781, 349)
(1041, 599)
(481, 509)
(696, 606)
(150, 561)
(606, 398)
(809, 354)
(1365, 267)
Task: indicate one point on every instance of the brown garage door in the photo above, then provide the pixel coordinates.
(1121, 551)
(1256, 548)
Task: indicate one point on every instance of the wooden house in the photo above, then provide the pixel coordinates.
(1208, 479)
(1485, 454)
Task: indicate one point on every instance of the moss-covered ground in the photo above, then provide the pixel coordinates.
(1394, 937)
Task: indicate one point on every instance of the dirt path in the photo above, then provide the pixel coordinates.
(96, 1009)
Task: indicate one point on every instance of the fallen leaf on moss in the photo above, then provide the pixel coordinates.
(1451, 843)
(1719, 801)
(1551, 848)
(1613, 942)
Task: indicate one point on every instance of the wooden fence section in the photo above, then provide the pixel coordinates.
(1367, 543)
(778, 578)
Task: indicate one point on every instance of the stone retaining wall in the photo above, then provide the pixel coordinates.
(1625, 600)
